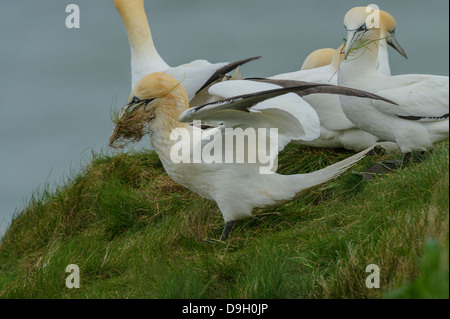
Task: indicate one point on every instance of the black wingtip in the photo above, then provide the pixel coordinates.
(418, 118)
(315, 88)
(225, 69)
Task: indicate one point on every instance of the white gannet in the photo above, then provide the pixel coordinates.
(159, 106)
(336, 130)
(145, 59)
(318, 58)
(324, 57)
(420, 117)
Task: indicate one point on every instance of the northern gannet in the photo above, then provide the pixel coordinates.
(195, 75)
(159, 106)
(388, 25)
(336, 130)
(420, 117)
(318, 58)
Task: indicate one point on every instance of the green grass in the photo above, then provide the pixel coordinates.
(134, 233)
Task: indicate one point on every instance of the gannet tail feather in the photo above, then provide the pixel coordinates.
(318, 177)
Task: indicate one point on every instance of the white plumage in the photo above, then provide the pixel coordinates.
(291, 102)
(421, 116)
(336, 129)
(158, 101)
(145, 58)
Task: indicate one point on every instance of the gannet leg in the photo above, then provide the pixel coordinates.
(406, 159)
(413, 157)
(227, 230)
(225, 233)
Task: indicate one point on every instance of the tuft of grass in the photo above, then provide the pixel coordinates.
(433, 278)
(134, 233)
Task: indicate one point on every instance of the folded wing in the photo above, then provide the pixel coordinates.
(419, 98)
(259, 105)
(198, 74)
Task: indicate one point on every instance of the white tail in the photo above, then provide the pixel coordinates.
(318, 177)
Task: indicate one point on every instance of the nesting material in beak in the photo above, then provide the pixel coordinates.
(352, 37)
(130, 128)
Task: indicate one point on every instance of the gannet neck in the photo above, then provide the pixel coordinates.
(166, 117)
(383, 54)
(144, 56)
(172, 101)
(166, 122)
(338, 56)
(387, 25)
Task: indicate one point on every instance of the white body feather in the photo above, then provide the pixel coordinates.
(238, 188)
(336, 130)
(417, 96)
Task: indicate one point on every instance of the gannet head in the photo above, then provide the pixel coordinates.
(156, 100)
(318, 58)
(388, 26)
(366, 24)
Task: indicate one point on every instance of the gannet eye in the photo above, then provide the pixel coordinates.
(363, 28)
(136, 99)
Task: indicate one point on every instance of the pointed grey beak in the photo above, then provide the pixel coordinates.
(352, 37)
(133, 106)
(392, 41)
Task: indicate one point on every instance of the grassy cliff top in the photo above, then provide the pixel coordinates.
(134, 233)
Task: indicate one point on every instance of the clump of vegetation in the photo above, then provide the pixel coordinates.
(134, 233)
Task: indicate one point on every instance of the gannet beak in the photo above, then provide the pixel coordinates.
(130, 108)
(133, 106)
(392, 41)
(352, 37)
(130, 126)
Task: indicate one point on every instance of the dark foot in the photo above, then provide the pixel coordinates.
(381, 169)
(417, 157)
(226, 230)
(225, 233)
(413, 157)
(406, 159)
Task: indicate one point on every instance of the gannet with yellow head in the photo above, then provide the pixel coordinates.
(159, 106)
(145, 59)
(420, 117)
(387, 27)
(318, 58)
(323, 57)
(337, 131)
